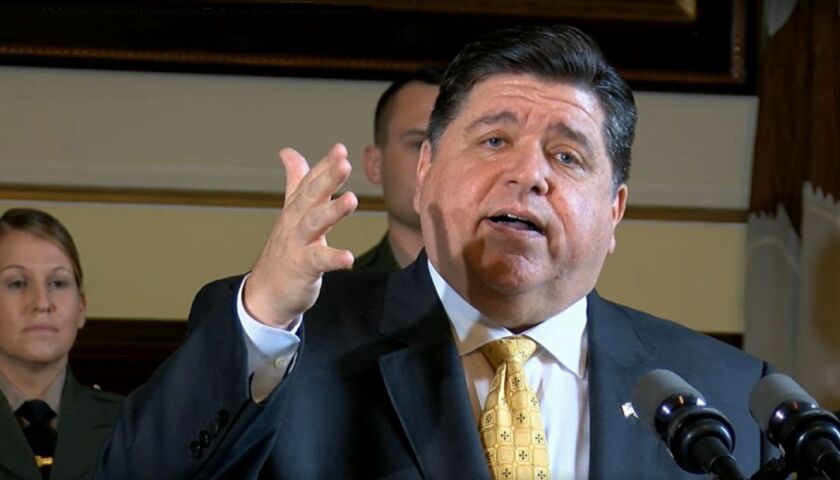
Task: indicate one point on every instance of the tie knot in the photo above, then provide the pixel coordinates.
(509, 349)
(36, 412)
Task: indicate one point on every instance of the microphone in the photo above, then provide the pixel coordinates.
(698, 437)
(807, 435)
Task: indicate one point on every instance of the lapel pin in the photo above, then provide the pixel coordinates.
(627, 410)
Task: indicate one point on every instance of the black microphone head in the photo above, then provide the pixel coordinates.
(698, 437)
(653, 389)
(770, 393)
(808, 436)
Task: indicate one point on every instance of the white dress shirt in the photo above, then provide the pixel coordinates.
(556, 372)
(271, 350)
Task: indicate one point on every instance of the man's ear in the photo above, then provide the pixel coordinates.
(423, 164)
(373, 164)
(619, 204)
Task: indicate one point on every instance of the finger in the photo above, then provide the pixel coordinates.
(296, 168)
(324, 185)
(337, 153)
(322, 218)
(320, 184)
(327, 259)
(339, 150)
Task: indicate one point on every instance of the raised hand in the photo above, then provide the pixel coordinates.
(286, 278)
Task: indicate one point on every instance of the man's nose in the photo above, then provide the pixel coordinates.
(530, 170)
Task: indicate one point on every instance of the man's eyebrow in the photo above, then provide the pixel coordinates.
(573, 134)
(505, 116)
(414, 132)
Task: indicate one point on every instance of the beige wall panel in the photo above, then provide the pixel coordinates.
(693, 150)
(154, 130)
(191, 131)
(148, 262)
(691, 273)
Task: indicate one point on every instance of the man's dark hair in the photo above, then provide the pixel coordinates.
(428, 76)
(554, 53)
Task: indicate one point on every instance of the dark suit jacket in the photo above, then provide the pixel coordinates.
(378, 391)
(380, 257)
(87, 416)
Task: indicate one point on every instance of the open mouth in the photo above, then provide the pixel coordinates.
(516, 223)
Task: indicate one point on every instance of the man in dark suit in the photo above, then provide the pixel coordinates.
(491, 356)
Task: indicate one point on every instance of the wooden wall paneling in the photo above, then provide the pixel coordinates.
(120, 354)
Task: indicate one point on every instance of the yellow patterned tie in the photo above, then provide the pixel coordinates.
(511, 425)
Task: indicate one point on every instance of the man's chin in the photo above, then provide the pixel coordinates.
(511, 275)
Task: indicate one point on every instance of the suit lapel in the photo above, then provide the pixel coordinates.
(425, 382)
(79, 433)
(425, 379)
(620, 446)
(16, 460)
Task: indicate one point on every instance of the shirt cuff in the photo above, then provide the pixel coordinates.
(271, 350)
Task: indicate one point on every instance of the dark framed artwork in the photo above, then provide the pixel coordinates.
(683, 45)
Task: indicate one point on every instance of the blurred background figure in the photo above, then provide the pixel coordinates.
(51, 426)
(402, 116)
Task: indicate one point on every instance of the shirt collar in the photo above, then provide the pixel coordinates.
(51, 395)
(561, 335)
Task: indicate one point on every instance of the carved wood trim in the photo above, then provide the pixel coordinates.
(367, 203)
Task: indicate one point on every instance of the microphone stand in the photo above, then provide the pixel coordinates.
(704, 445)
(724, 468)
(828, 466)
(775, 469)
(826, 463)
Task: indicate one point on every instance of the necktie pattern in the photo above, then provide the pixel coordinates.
(511, 425)
(38, 432)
